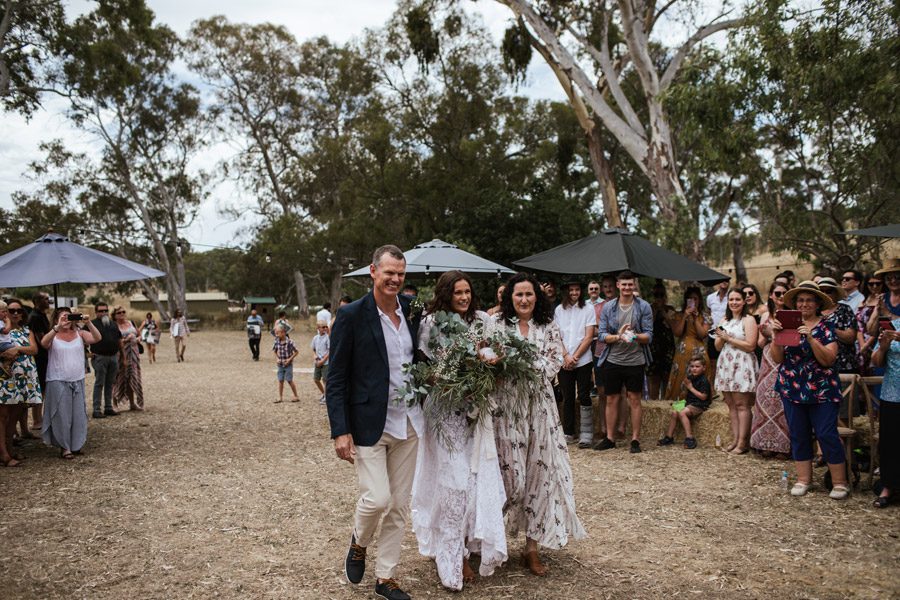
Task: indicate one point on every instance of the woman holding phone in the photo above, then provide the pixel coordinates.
(689, 326)
(887, 355)
(736, 337)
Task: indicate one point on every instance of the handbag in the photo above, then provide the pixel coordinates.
(140, 348)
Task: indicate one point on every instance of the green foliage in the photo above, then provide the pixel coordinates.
(516, 51)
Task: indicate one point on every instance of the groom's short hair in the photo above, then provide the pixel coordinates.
(390, 249)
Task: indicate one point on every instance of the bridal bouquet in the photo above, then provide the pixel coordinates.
(458, 377)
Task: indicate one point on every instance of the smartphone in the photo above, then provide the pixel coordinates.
(691, 303)
(886, 323)
(75, 317)
(790, 320)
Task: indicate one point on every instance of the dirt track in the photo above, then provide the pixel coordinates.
(216, 492)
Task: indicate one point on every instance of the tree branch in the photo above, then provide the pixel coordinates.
(685, 49)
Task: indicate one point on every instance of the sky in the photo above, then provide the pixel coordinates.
(339, 20)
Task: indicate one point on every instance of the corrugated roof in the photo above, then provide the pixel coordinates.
(259, 300)
(190, 297)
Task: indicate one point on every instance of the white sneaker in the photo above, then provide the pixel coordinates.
(322, 400)
(799, 489)
(839, 492)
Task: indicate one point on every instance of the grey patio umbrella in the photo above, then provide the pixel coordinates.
(52, 259)
(439, 257)
(886, 231)
(614, 250)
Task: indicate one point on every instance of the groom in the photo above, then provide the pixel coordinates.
(371, 340)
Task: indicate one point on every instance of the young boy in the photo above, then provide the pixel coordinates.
(285, 352)
(321, 346)
(5, 340)
(697, 400)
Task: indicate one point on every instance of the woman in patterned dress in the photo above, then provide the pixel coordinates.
(769, 430)
(457, 494)
(810, 389)
(736, 371)
(534, 459)
(21, 389)
(128, 377)
(690, 326)
(149, 333)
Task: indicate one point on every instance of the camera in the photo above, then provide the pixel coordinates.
(75, 317)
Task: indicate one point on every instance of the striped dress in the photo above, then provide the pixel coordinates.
(128, 377)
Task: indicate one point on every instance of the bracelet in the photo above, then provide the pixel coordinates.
(56, 329)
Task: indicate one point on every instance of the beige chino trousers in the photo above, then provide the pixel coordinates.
(385, 473)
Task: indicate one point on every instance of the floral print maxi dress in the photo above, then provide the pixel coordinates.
(534, 458)
(22, 385)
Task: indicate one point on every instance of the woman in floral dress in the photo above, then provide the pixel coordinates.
(769, 430)
(690, 326)
(534, 459)
(736, 372)
(128, 378)
(21, 388)
(457, 494)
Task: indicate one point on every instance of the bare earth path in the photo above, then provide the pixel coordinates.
(216, 492)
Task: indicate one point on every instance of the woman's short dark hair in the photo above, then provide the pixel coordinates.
(543, 309)
(745, 310)
(58, 311)
(443, 294)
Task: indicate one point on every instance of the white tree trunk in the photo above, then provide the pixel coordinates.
(302, 301)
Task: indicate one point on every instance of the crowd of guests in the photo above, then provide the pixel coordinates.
(48, 356)
(784, 397)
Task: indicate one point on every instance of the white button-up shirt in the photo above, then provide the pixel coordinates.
(853, 299)
(398, 341)
(573, 323)
(717, 306)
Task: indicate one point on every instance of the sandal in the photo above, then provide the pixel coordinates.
(12, 462)
(881, 501)
(66, 455)
(295, 400)
(532, 562)
(738, 451)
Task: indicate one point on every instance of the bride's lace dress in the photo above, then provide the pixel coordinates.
(534, 459)
(458, 495)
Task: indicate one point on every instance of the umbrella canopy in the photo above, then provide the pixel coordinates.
(438, 257)
(53, 259)
(614, 250)
(886, 231)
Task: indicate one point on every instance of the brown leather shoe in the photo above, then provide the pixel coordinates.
(532, 562)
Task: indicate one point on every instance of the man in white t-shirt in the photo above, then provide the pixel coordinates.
(325, 313)
(577, 324)
(717, 302)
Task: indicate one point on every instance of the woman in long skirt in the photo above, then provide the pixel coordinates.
(65, 414)
(534, 459)
(457, 495)
(128, 383)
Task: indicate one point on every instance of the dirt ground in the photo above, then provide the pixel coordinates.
(216, 492)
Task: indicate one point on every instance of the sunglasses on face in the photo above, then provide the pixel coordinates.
(749, 293)
(102, 310)
(848, 278)
(892, 276)
(16, 311)
(778, 294)
(874, 283)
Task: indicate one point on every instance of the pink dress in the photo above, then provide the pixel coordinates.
(736, 369)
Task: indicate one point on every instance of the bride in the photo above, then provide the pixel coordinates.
(458, 494)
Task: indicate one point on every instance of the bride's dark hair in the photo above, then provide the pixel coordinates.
(443, 294)
(543, 310)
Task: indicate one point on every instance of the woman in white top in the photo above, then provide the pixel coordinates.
(65, 415)
(180, 332)
(736, 337)
(577, 323)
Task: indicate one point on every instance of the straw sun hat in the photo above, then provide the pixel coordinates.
(807, 287)
(891, 266)
(828, 282)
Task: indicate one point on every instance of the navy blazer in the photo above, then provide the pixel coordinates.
(358, 375)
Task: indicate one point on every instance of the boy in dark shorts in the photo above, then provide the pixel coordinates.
(697, 399)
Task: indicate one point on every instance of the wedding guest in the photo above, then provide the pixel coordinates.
(20, 390)
(496, 308)
(149, 333)
(844, 320)
(887, 355)
(889, 302)
(757, 308)
(285, 352)
(105, 361)
(736, 337)
(769, 433)
(533, 456)
(577, 325)
(457, 508)
(180, 333)
(662, 348)
(851, 281)
(810, 390)
(128, 384)
(697, 399)
(874, 290)
(690, 327)
(65, 415)
(626, 326)
(39, 325)
(255, 325)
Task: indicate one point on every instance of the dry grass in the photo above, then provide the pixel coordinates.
(216, 492)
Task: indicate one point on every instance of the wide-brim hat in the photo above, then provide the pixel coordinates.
(807, 287)
(891, 266)
(828, 282)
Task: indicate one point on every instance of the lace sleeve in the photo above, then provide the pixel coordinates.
(426, 327)
(551, 351)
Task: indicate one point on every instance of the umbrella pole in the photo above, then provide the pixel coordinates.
(55, 296)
